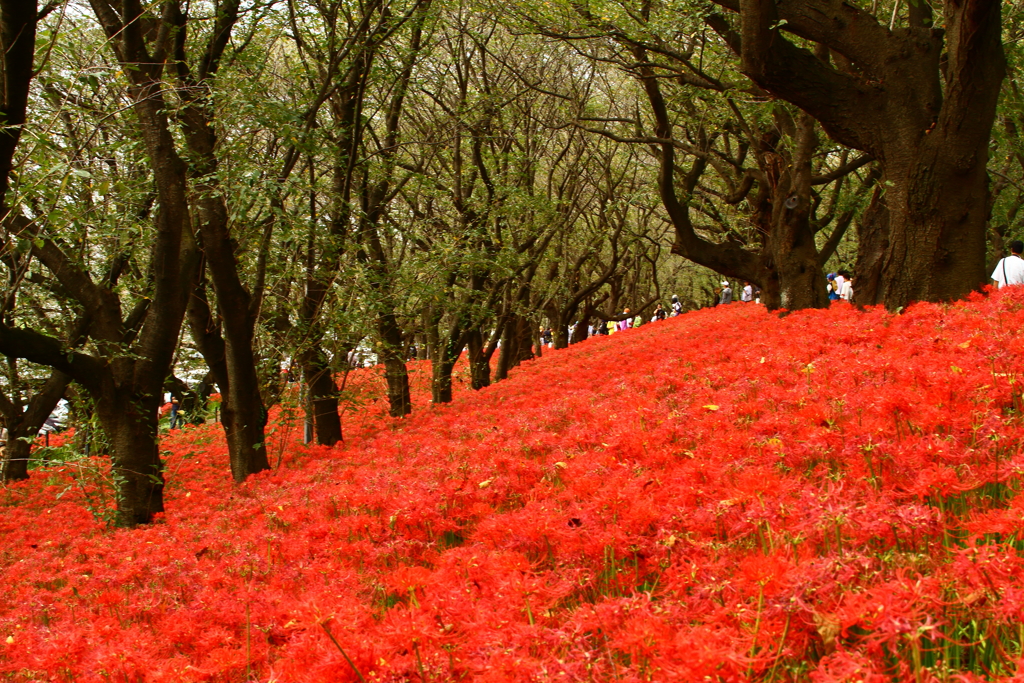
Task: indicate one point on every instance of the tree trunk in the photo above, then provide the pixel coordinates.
(792, 271)
(581, 331)
(234, 368)
(323, 394)
(243, 413)
(244, 417)
(14, 466)
(23, 424)
(479, 360)
(129, 420)
(506, 353)
(936, 249)
(441, 381)
(559, 330)
(449, 351)
(872, 243)
(921, 101)
(516, 345)
(395, 371)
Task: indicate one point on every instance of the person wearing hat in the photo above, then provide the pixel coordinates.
(833, 291)
(726, 293)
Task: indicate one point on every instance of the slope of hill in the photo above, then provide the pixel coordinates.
(728, 495)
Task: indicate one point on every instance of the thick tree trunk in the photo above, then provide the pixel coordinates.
(323, 394)
(516, 345)
(243, 414)
(559, 331)
(441, 381)
(938, 213)
(791, 250)
(14, 466)
(129, 420)
(508, 352)
(872, 243)
(125, 379)
(581, 331)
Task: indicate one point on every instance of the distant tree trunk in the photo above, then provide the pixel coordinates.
(395, 371)
(479, 360)
(323, 395)
(316, 368)
(559, 328)
(233, 366)
(441, 381)
(24, 424)
(516, 345)
(374, 197)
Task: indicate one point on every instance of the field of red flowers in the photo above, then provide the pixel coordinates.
(724, 496)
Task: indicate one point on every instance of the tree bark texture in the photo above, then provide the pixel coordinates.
(127, 419)
(323, 395)
(479, 359)
(920, 100)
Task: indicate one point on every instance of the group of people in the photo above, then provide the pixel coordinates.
(748, 294)
(840, 286)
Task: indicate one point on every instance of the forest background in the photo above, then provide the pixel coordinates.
(233, 195)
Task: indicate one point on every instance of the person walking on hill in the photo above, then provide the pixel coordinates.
(747, 294)
(1010, 270)
(175, 413)
(846, 293)
(625, 324)
(677, 307)
(726, 293)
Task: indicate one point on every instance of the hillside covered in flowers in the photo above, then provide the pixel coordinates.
(729, 495)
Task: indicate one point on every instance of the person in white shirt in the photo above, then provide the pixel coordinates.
(747, 294)
(1010, 270)
(837, 284)
(846, 293)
